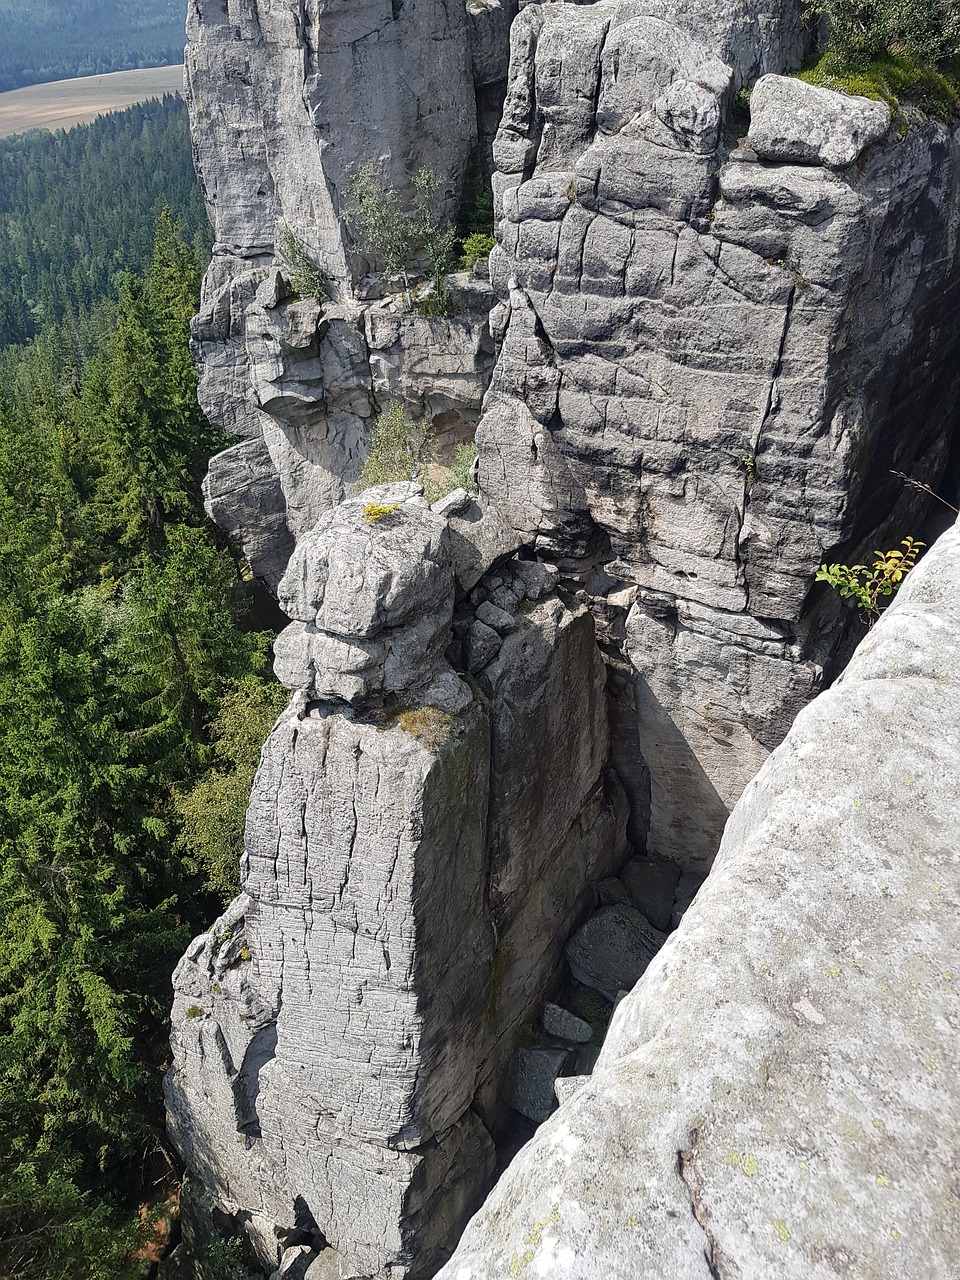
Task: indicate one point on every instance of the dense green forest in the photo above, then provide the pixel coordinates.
(134, 696)
(57, 39)
(79, 207)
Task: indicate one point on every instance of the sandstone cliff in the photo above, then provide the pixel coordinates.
(777, 1096)
(702, 349)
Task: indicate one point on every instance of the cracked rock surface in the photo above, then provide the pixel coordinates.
(706, 363)
(344, 1038)
(783, 1102)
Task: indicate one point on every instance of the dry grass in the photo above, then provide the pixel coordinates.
(61, 104)
(427, 725)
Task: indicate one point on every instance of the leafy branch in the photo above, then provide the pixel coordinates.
(867, 585)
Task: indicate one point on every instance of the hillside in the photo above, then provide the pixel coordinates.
(77, 208)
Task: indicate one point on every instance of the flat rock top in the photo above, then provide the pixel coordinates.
(802, 123)
(780, 1094)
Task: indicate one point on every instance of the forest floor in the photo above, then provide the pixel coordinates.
(60, 104)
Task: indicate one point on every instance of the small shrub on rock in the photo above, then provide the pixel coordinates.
(475, 247)
(867, 585)
(401, 449)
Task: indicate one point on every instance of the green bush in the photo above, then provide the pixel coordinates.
(305, 275)
(395, 238)
(400, 450)
(890, 80)
(213, 810)
(463, 467)
(862, 32)
(867, 585)
(475, 247)
(892, 50)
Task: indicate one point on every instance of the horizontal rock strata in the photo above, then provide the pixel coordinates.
(706, 363)
(345, 1036)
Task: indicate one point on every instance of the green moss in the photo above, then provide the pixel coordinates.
(374, 511)
(892, 80)
(427, 725)
(194, 1011)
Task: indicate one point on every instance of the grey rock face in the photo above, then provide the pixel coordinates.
(370, 590)
(652, 887)
(305, 380)
(354, 908)
(804, 124)
(283, 113)
(567, 1026)
(773, 1102)
(706, 363)
(533, 1086)
(346, 1034)
(242, 495)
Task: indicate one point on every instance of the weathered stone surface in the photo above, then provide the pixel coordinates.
(307, 1066)
(242, 494)
(802, 123)
(533, 1083)
(706, 363)
(611, 891)
(283, 116)
(561, 1022)
(612, 950)
(557, 813)
(784, 1102)
(651, 886)
(399, 928)
(371, 593)
(483, 645)
(295, 1263)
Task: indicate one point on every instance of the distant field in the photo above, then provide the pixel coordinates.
(64, 103)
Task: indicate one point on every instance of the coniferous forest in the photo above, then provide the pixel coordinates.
(79, 207)
(51, 40)
(135, 689)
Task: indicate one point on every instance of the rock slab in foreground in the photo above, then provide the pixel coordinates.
(779, 1095)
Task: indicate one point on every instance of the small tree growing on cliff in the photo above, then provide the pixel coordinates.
(862, 32)
(867, 585)
(391, 236)
(400, 450)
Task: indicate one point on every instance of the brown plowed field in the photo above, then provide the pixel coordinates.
(61, 104)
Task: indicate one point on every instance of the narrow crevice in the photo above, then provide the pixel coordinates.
(720, 1267)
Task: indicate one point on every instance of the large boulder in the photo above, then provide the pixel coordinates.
(804, 124)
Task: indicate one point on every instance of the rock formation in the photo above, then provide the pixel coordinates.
(712, 343)
(777, 1096)
(708, 349)
(346, 1031)
(286, 102)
